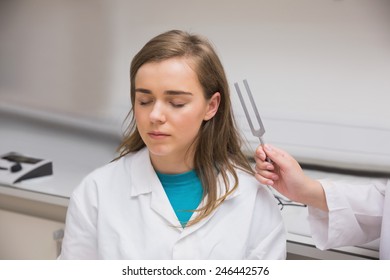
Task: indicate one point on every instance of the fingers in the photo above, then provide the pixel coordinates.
(264, 169)
(264, 180)
(264, 151)
(264, 165)
(260, 153)
(265, 172)
(277, 156)
(280, 160)
(269, 154)
(268, 180)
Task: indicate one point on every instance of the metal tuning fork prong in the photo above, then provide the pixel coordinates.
(259, 132)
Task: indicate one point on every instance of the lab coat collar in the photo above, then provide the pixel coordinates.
(143, 180)
(143, 176)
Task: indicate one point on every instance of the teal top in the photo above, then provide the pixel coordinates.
(184, 192)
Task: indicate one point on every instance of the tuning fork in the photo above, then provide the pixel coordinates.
(257, 132)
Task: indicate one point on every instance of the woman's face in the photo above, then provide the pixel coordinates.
(169, 109)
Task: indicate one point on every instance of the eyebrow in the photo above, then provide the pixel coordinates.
(168, 92)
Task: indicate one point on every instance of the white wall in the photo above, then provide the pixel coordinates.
(319, 69)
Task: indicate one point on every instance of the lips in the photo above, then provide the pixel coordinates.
(157, 134)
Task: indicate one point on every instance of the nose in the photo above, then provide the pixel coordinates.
(157, 114)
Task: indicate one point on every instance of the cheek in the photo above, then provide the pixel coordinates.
(139, 117)
(189, 121)
(197, 112)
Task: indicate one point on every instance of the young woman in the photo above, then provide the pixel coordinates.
(340, 213)
(181, 187)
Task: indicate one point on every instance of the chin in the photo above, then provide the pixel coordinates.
(159, 150)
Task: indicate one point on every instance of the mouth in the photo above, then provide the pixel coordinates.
(157, 134)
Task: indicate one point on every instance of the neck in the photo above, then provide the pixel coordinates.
(168, 165)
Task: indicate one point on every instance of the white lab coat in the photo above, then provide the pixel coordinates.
(120, 211)
(358, 213)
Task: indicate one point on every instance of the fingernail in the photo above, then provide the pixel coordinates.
(268, 147)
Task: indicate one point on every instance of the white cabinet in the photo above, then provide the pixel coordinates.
(31, 224)
(27, 237)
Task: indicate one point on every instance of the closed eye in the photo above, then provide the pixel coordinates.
(144, 100)
(177, 105)
(144, 103)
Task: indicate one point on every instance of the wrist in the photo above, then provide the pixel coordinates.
(315, 195)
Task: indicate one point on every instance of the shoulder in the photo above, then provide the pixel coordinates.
(257, 197)
(248, 181)
(121, 166)
(249, 186)
(114, 174)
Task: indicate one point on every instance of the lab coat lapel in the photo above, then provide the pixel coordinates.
(161, 205)
(144, 180)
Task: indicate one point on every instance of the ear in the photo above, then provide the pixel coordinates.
(213, 105)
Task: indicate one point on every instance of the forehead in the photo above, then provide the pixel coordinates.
(173, 72)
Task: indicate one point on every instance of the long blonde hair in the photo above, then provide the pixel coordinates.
(218, 143)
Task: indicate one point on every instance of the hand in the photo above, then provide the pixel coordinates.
(286, 176)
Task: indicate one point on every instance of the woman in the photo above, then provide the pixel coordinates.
(181, 187)
(340, 213)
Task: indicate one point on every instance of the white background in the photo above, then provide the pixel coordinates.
(319, 69)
